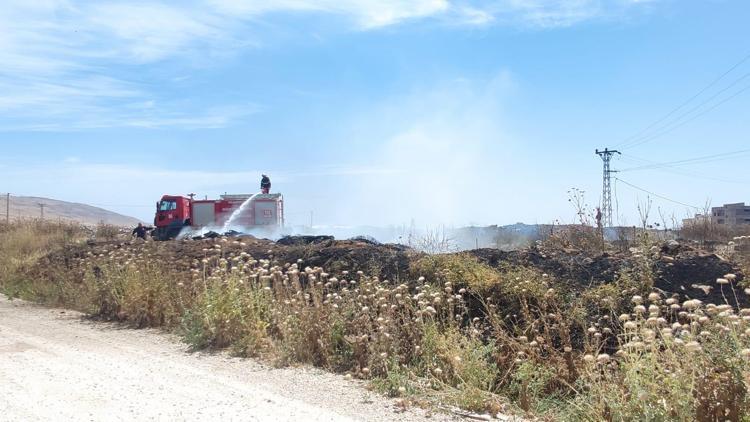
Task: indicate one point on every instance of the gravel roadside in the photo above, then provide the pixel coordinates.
(54, 365)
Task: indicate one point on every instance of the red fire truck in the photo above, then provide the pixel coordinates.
(173, 213)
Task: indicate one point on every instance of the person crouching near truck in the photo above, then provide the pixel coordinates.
(141, 231)
(265, 184)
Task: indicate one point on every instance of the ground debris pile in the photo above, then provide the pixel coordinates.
(678, 269)
(386, 261)
(303, 240)
(698, 275)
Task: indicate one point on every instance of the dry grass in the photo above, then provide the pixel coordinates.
(24, 242)
(462, 270)
(456, 333)
(707, 231)
(109, 232)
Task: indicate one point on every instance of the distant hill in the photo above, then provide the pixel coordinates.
(28, 207)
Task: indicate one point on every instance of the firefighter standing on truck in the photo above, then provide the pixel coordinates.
(265, 184)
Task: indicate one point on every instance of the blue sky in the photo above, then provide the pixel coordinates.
(375, 112)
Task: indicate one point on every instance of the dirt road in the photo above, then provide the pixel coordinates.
(55, 366)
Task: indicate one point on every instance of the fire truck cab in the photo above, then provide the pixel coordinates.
(172, 214)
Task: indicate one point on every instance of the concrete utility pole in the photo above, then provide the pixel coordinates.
(7, 208)
(41, 208)
(606, 156)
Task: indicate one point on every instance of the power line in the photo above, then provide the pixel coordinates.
(707, 110)
(697, 160)
(680, 171)
(686, 102)
(657, 195)
(645, 137)
(677, 123)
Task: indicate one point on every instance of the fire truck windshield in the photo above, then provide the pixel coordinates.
(167, 205)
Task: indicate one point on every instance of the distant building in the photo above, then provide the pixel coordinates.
(698, 219)
(731, 214)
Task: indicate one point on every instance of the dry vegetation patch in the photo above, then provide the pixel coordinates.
(536, 330)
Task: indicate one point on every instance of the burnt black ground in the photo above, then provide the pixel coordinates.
(678, 269)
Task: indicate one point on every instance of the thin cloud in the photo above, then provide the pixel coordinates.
(90, 102)
(367, 14)
(468, 15)
(151, 32)
(547, 14)
(374, 14)
(62, 59)
(69, 64)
